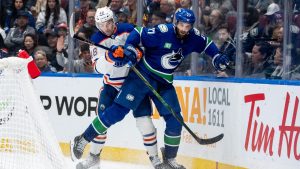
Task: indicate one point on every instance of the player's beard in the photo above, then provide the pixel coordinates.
(181, 34)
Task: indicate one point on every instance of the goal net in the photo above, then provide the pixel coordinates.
(27, 140)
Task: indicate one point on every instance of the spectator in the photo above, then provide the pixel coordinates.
(157, 18)
(39, 6)
(53, 15)
(231, 22)
(260, 5)
(227, 46)
(82, 65)
(10, 19)
(216, 19)
(277, 36)
(30, 43)
(186, 4)
(56, 48)
(85, 34)
(89, 27)
(223, 5)
(116, 5)
(41, 61)
(62, 31)
(278, 62)
(273, 18)
(259, 65)
(102, 3)
(295, 38)
(3, 53)
(202, 3)
(252, 30)
(122, 15)
(131, 6)
(81, 14)
(26, 3)
(15, 37)
(153, 5)
(168, 7)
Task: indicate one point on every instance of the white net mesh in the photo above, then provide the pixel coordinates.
(27, 140)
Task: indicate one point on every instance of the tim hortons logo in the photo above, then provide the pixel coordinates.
(263, 135)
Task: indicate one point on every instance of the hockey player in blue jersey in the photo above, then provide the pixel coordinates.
(166, 45)
(114, 74)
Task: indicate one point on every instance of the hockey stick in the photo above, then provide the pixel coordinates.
(201, 141)
(198, 139)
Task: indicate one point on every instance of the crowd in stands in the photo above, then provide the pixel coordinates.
(41, 28)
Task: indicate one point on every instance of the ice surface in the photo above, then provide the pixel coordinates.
(104, 164)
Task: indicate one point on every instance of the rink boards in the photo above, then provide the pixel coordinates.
(259, 119)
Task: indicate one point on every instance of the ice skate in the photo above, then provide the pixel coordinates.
(156, 162)
(77, 146)
(91, 162)
(170, 163)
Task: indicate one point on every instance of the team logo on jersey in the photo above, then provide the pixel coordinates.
(172, 60)
(130, 97)
(163, 28)
(102, 107)
(168, 45)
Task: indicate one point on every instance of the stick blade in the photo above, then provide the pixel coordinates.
(212, 140)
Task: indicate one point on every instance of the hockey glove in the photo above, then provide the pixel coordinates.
(117, 51)
(33, 70)
(116, 55)
(220, 61)
(132, 54)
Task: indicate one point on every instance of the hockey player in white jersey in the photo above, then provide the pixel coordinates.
(113, 66)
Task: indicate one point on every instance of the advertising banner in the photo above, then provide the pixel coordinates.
(260, 121)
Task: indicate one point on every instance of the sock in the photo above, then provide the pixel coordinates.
(98, 143)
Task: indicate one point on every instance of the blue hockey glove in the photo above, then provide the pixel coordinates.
(132, 54)
(220, 61)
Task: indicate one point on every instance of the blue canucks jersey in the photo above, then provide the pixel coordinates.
(164, 51)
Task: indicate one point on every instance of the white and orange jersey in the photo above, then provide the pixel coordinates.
(112, 75)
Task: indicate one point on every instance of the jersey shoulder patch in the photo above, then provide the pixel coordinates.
(197, 32)
(162, 28)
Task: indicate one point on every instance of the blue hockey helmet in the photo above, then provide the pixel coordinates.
(185, 15)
